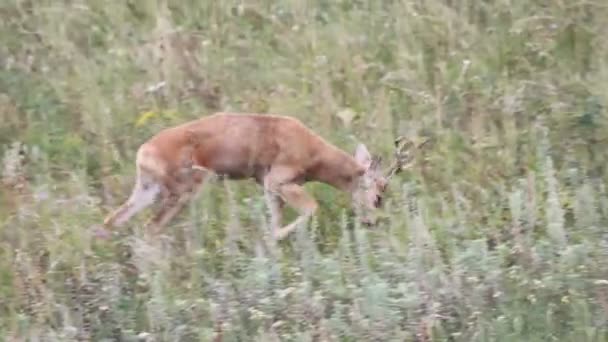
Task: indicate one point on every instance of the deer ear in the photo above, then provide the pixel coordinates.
(363, 156)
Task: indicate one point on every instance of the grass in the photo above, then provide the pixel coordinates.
(497, 234)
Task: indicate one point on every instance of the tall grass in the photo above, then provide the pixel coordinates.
(497, 233)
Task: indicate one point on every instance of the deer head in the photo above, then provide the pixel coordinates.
(372, 184)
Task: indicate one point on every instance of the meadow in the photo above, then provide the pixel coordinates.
(497, 232)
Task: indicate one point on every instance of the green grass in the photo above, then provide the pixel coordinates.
(497, 234)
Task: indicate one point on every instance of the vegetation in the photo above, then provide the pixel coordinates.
(497, 234)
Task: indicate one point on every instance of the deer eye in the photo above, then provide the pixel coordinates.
(382, 184)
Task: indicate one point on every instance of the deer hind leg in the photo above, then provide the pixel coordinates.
(144, 193)
(175, 198)
(299, 199)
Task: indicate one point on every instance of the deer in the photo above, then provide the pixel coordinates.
(278, 152)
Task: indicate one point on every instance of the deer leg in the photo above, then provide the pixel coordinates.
(168, 200)
(174, 201)
(277, 177)
(163, 217)
(299, 199)
(144, 193)
(170, 192)
(275, 204)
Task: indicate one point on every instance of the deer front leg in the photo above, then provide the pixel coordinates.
(299, 199)
(280, 181)
(275, 204)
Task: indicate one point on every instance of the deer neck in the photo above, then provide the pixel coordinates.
(334, 168)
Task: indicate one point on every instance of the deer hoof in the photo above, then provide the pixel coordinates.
(368, 222)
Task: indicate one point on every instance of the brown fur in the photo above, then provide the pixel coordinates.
(278, 152)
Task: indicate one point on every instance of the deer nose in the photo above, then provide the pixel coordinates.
(378, 201)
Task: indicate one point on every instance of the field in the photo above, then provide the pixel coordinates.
(497, 233)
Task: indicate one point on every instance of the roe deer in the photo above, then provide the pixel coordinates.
(278, 152)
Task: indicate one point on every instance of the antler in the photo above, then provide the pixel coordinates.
(403, 155)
